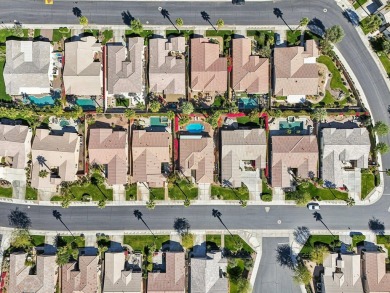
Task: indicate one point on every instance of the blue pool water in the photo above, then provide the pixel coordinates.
(195, 128)
(248, 103)
(86, 104)
(296, 125)
(43, 101)
(159, 121)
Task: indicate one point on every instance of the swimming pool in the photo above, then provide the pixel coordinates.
(296, 125)
(43, 101)
(195, 128)
(86, 104)
(159, 121)
(248, 103)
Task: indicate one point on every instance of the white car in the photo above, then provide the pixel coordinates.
(313, 206)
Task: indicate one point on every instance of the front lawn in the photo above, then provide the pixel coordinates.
(37, 33)
(182, 33)
(92, 32)
(97, 192)
(336, 81)
(359, 3)
(213, 242)
(59, 34)
(131, 192)
(138, 242)
(38, 240)
(385, 62)
(227, 193)
(368, 184)
(231, 243)
(263, 38)
(157, 193)
(31, 193)
(315, 240)
(363, 24)
(266, 194)
(6, 192)
(3, 95)
(319, 192)
(6, 33)
(107, 35)
(182, 187)
(146, 34)
(385, 240)
(64, 240)
(293, 38)
(238, 271)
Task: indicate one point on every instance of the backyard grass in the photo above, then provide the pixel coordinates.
(31, 193)
(363, 24)
(64, 240)
(6, 192)
(122, 102)
(320, 193)
(328, 99)
(213, 242)
(281, 98)
(58, 35)
(158, 193)
(230, 243)
(218, 101)
(358, 3)
(368, 184)
(248, 120)
(182, 187)
(38, 240)
(315, 240)
(385, 240)
(227, 193)
(138, 242)
(293, 37)
(107, 35)
(131, 192)
(336, 81)
(3, 95)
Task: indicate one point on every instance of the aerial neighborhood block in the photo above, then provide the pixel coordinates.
(83, 67)
(208, 69)
(125, 69)
(28, 68)
(296, 72)
(293, 155)
(109, 148)
(167, 68)
(250, 72)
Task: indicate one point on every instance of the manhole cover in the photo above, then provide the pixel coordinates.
(279, 222)
(325, 10)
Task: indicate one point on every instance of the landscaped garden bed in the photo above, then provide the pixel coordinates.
(368, 183)
(317, 192)
(182, 189)
(227, 193)
(139, 242)
(315, 240)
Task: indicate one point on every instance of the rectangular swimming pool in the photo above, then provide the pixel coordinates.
(86, 104)
(43, 101)
(248, 103)
(296, 125)
(159, 121)
(195, 128)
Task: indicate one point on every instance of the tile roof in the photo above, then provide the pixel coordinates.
(54, 151)
(82, 74)
(149, 151)
(15, 142)
(167, 72)
(250, 73)
(27, 67)
(173, 280)
(21, 281)
(80, 277)
(125, 67)
(293, 151)
(343, 145)
(109, 147)
(295, 70)
(206, 274)
(376, 278)
(240, 145)
(208, 69)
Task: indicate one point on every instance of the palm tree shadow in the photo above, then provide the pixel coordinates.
(76, 11)
(127, 17)
(165, 14)
(138, 214)
(279, 14)
(206, 17)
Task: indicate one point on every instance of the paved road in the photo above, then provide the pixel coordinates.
(272, 277)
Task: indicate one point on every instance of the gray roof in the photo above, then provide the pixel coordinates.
(207, 274)
(124, 67)
(238, 146)
(27, 67)
(340, 147)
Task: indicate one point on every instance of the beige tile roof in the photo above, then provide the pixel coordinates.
(21, 281)
(173, 280)
(376, 279)
(80, 277)
(293, 74)
(54, 151)
(109, 147)
(293, 151)
(250, 73)
(15, 142)
(149, 151)
(125, 67)
(166, 72)
(242, 145)
(27, 67)
(82, 75)
(208, 69)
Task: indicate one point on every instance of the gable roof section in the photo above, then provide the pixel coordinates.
(376, 278)
(250, 73)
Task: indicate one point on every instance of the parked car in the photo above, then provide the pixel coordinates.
(238, 2)
(313, 206)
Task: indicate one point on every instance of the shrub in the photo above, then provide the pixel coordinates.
(266, 197)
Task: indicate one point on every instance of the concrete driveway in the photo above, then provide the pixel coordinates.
(271, 277)
(204, 191)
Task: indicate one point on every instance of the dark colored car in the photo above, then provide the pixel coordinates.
(238, 2)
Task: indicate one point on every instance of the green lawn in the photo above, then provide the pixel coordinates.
(321, 193)
(315, 240)
(385, 240)
(183, 33)
(58, 35)
(248, 120)
(385, 62)
(6, 192)
(38, 240)
(107, 35)
(233, 285)
(368, 184)
(138, 242)
(230, 243)
(293, 38)
(218, 101)
(226, 193)
(219, 33)
(213, 241)
(94, 33)
(31, 193)
(363, 25)
(281, 98)
(358, 3)
(37, 33)
(180, 187)
(63, 240)
(336, 82)
(122, 102)
(328, 99)
(266, 195)
(131, 192)
(5, 33)
(96, 192)
(158, 193)
(3, 95)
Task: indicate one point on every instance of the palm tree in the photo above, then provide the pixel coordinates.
(319, 114)
(102, 204)
(129, 114)
(83, 20)
(136, 25)
(303, 23)
(220, 23)
(382, 148)
(187, 202)
(43, 173)
(179, 22)
(65, 203)
(150, 204)
(350, 201)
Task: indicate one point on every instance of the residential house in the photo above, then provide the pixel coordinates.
(250, 72)
(208, 69)
(81, 276)
(108, 147)
(243, 156)
(208, 274)
(151, 157)
(196, 153)
(344, 153)
(342, 274)
(296, 72)
(41, 279)
(56, 154)
(167, 67)
(293, 155)
(121, 275)
(125, 69)
(172, 277)
(376, 277)
(28, 68)
(83, 67)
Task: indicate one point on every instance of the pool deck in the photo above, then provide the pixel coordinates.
(274, 127)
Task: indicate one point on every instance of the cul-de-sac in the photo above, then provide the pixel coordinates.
(232, 146)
